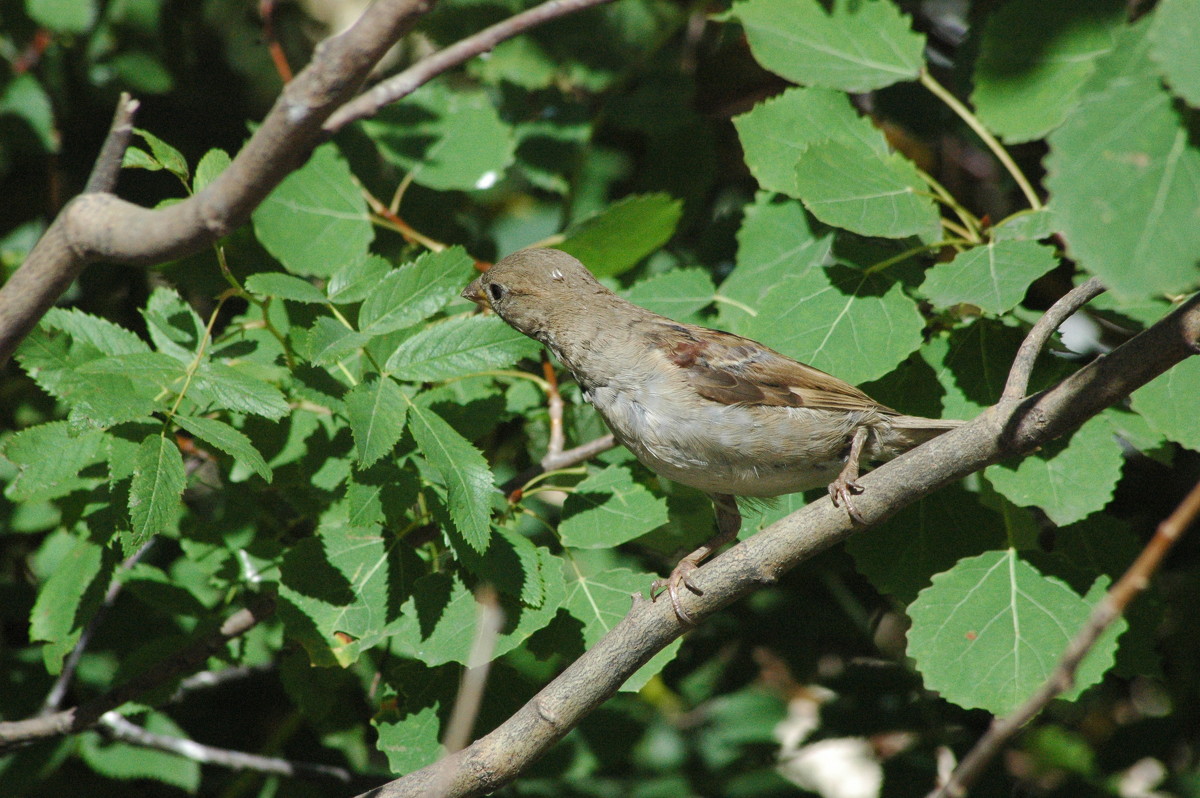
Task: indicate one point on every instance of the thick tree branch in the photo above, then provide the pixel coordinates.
(88, 714)
(994, 435)
(1113, 605)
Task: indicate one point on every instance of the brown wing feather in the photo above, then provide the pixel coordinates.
(733, 370)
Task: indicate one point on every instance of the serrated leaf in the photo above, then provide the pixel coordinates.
(109, 338)
(415, 292)
(105, 400)
(993, 277)
(679, 294)
(330, 340)
(1168, 403)
(63, 606)
(612, 241)
(512, 564)
(355, 281)
(1023, 92)
(855, 326)
(466, 474)
(989, 632)
(171, 159)
(800, 41)
(233, 390)
(229, 440)
(284, 286)
(446, 139)
(49, 458)
(376, 410)
(1175, 40)
(154, 493)
(1068, 480)
(457, 347)
(174, 327)
(872, 196)
(609, 508)
(213, 163)
(600, 601)
(316, 219)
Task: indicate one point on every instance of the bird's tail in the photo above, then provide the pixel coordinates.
(912, 431)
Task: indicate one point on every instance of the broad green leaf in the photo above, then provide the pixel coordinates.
(609, 508)
(800, 41)
(357, 280)
(1024, 91)
(993, 277)
(330, 340)
(989, 631)
(459, 346)
(1168, 403)
(68, 598)
(679, 294)
(1026, 225)
(855, 326)
(1125, 182)
(410, 725)
(126, 762)
(445, 138)
(1175, 40)
(105, 400)
(465, 473)
(316, 219)
(211, 164)
(284, 286)
(152, 371)
(341, 591)
(228, 439)
(415, 292)
(927, 537)
(158, 483)
(600, 601)
(234, 390)
(512, 564)
(776, 132)
(49, 458)
(376, 410)
(776, 240)
(612, 241)
(25, 98)
(1068, 480)
(872, 196)
(174, 327)
(109, 338)
(972, 365)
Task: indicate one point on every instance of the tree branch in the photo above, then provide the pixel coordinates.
(1051, 320)
(999, 432)
(88, 714)
(107, 168)
(1111, 607)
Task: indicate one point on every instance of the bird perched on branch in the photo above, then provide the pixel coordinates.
(706, 408)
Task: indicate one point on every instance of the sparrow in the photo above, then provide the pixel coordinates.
(706, 408)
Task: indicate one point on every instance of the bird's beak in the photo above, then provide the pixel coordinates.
(474, 292)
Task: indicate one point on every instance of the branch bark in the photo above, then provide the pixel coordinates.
(1008, 429)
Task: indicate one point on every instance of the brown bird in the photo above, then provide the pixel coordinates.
(706, 408)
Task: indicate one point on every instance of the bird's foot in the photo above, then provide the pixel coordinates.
(679, 576)
(841, 491)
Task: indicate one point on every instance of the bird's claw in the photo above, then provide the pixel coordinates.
(840, 492)
(679, 576)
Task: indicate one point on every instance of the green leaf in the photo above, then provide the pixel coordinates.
(49, 458)
(376, 410)
(1125, 182)
(357, 280)
(513, 565)
(284, 286)
(679, 294)
(800, 41)
(989, 631)
(993, 277)
(461, 466)
(229, 440)
(109, 338)
(415, 292)
(68, 598)
(174, 327)
(972, 365)
(609, 508)
(158, 483)
(63, 16)
(316, 219)
(445, 138)
(776, 132)
(126, 761)
(844, 186)
(1168, 403)
(240, 392)
(24, 97)
(459, 346)
(330, 340)
(213, 163)
(171, 159)
(105, 400)
(1023, 92)
(600, 601)
(1068, 480)
(612, 241)
(853, 325)
(1174, 42)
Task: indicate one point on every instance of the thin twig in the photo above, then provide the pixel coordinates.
(574, 456)
(112, 153)
(1051, 320)
(555, 408)
(1111, 607)
(266, 12)
(118, 728)
(206, 680)
(394, 88)
(58, 690)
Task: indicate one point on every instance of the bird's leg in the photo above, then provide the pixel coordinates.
(846, 484)
(729, 521)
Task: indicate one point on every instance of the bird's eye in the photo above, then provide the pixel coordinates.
(496, 290)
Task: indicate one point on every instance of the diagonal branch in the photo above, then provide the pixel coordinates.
(1000, 432)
